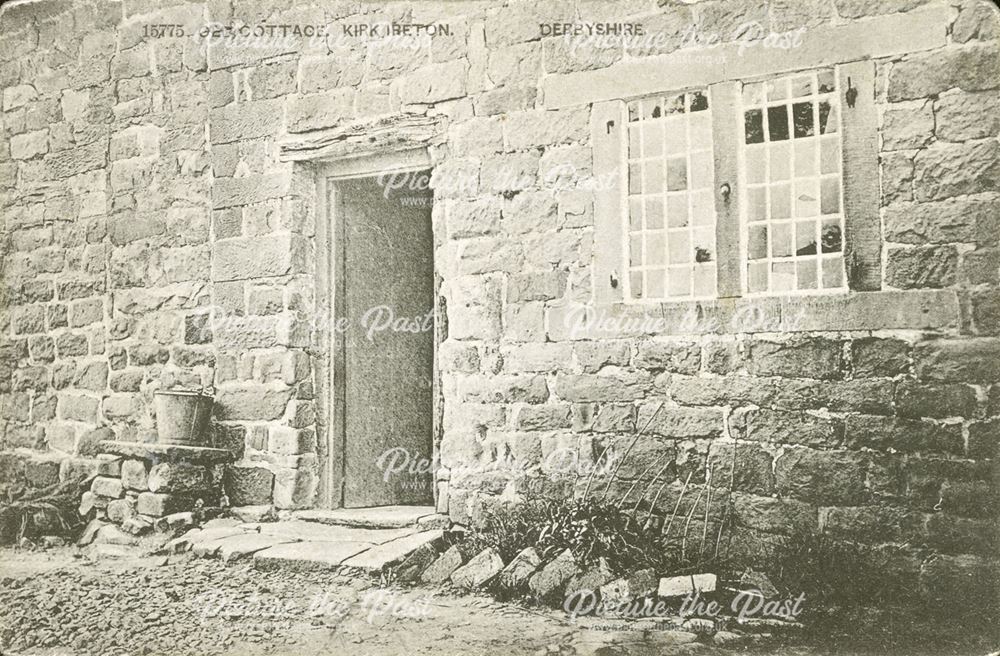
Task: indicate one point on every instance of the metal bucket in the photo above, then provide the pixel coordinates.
(182, 417)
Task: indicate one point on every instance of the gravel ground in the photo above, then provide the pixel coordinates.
(53, 603)
(60, 603)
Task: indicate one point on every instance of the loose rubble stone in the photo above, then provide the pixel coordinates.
(416, 563)
(107, 487)
(727, 638)
(590, 580)
(134, 475)
(481, 568)
(549, 581)
(111, 534)
(515, 575)
(120, 510)
(90, 532)
(442, 568)
(699, 625)
(156, 505)
(620, 591)
(136, 526)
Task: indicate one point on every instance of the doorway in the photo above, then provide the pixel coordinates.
(381, 343)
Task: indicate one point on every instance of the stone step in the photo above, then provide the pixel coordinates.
(301, 544)
(308, 555)
(315, 532)
(374, 517)
(384, 555)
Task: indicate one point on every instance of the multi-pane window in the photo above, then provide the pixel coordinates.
(792, 209)
(739, 188)
(670, 248)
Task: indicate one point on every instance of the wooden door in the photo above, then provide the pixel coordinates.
(388, 344)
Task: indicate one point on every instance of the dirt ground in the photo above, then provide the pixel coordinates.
(60, 602)
(56, 602)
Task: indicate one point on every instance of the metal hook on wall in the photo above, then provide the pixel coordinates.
(851, 95)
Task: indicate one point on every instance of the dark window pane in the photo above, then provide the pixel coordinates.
(753, 122)
(633, 112)
(699, 101)
(831, 237)
(777, 123)
(702, 254)
(802, 116)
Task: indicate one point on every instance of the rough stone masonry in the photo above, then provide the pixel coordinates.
(143, 193)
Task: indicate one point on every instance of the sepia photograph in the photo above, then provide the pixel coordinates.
(499, 327)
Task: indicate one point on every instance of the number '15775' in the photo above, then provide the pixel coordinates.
(166, 29)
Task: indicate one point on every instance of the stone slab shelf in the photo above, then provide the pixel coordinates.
(167, 452)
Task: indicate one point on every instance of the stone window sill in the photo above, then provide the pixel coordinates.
(850, 311)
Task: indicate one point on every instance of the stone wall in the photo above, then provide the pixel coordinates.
(153, 236)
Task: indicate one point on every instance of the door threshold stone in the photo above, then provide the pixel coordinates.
(375, 517)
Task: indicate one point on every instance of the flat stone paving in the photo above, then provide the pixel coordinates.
(370, 544)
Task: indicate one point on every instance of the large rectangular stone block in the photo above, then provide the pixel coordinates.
(678, 422)
(257, 403)
(179, 477)
(287, 441)
(873, 524)
(534, 129)
(244, 258)
(745, 467)
(78, 408)
(255, 188)
(434, 83)
(903, 435)
(542, 356)
(974, 218)
(503, 389)
(874, 356)
(542, 417)
(764, 425)
(971, 68)
(247, 486)
(935, 400)
(677, 357)
(294, 488)
(816, 357)
(822, 477)
(321, 110)
(947, 170)
(773, 515)
(620, 385)
(970, 360)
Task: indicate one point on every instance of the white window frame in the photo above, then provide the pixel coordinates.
(851, 47)
(745, 198)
